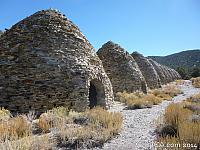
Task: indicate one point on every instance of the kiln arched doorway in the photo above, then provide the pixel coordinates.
(96, 94)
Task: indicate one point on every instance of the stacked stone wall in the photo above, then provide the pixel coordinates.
(45, 61)
(121, 68)
(148, 71)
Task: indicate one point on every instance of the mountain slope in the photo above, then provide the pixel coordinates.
(187, 59)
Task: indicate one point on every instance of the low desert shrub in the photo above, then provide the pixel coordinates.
(96, 125)
(180, 125)
(61, 128)
(53, 118)
(161, 94)
(167, 92)
(14, 128)
(43, 142)
(101, 119)
(193, 103)
(152, 99)
(190, 131)
(4, 114)
(196, 82)
(138, 100)
(80, 129)
(172, 90)
(194, 99)
(175, 115)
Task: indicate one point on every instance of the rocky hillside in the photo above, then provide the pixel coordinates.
(186, 59)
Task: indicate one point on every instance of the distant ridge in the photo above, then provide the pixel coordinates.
(187, 59)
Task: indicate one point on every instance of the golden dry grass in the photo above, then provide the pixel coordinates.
(14, 128)
(175, 115)
(100, 118)
(172, 90)
(53, 117)
(138, 100)
(167, 92)
(181, 119)
(96, 125)
(196, 82)
(29, 143)
(190, 131)
(101, 126)
(161, 94)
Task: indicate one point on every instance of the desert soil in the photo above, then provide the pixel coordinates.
(139, 125)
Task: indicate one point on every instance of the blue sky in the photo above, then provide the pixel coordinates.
(152, 27)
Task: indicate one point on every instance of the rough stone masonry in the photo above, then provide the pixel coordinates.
(45, 61)
(122, 69)
(165, 73)
(148, 71)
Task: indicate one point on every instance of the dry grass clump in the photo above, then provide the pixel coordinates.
(14, 128)
(175, 115)
(167, 92)
(193, 103)
(172, 90)
(59, 128)
(194, 99)
(52, 118)
(138, 100)
(4, 114)
(102, 119)
(190, 131)
(43, 142)
(161, 94)
(152, 99)
(196, 82)
(86, 129)
(95, 126)
(181, 124)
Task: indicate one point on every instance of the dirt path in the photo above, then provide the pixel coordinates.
(139, 125)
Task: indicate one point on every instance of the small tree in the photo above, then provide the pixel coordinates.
(195, 72)
(183, 72)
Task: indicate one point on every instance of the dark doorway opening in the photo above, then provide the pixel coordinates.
(92, 96)
(96, 94)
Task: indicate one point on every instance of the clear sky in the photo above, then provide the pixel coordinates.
(152, 27)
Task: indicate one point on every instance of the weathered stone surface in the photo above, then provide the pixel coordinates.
(45, 61)
(165, 73)
(121, 68)
(148, 71)
(171, 74)
(159, 70)
(174, 74)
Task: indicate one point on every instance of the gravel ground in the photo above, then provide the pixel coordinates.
(139, 125)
